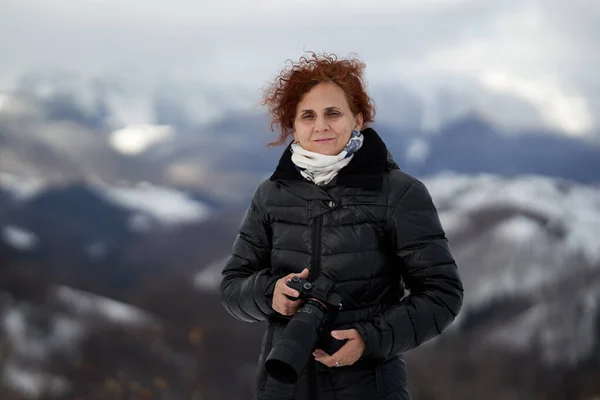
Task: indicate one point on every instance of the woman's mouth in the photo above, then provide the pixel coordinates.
(324, 140)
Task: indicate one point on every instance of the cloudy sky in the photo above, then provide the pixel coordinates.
(531, 60)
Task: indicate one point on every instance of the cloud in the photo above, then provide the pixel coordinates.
(216, 39)
(210, 14)
(569, 112)
(231, 43)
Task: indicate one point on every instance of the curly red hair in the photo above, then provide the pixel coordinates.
(282, 96)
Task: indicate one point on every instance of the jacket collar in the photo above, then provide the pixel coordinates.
(364, 171)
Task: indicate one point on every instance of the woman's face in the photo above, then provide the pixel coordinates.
(324, 122)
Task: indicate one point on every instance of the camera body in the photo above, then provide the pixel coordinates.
(321, 290)
(319, 308)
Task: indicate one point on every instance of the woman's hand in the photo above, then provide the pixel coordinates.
(281, 303)
(348, 354)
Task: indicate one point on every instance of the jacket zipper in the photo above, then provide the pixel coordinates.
(315, 268)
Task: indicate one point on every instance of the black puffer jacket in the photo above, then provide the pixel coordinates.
(374, 230)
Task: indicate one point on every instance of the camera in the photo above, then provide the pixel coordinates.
(320, 305)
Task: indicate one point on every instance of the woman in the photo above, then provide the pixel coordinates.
(338, 206)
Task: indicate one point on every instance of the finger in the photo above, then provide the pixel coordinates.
(304, 273)
(285, 306)
(343, 355)
(287, 311)
(290, 310)
(350, 352)
(287, 302)
(289, 291)
(345, 334)
(292, 303)
(329, 360)
(319, 353)
(280, 310)
(325, 359)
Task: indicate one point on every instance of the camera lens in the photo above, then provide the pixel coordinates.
(291, 353)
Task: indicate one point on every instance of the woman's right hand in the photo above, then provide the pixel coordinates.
(281, 303)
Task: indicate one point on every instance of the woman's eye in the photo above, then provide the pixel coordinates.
(334, 114)
(307, 116)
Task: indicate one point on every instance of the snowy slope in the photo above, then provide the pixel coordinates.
(528, 229)
(148, 204)
(168, 206)
(18, 238)
(209, 278)
(559, 204)
(33, 334)
(531, 240)
(20, 188)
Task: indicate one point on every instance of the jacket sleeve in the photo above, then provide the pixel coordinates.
(247, 283)
(430, 273)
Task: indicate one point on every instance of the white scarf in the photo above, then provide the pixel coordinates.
(321, 168)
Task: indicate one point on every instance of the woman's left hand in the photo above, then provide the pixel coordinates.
(348, 354)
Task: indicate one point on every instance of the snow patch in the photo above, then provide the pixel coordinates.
(417, 151)
(518, 229)
(452, 221)
(19, 238)
(563, 330)
(14, 323)
(96, 249)
(576, 207)
(33, 334)
(91, 304)
(168, 206)
(135, 139)
(20, 188)
(507, 281)
(140, 222)
(35, 343)
(209, 278)
(34, 384)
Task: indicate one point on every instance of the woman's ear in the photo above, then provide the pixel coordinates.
(359, 121)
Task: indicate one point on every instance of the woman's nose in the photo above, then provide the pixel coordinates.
(321, 125)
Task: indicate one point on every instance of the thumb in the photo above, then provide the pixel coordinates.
(344, 334)
(304, 273)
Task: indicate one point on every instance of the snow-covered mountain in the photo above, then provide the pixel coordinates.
(145, 204)
(528, 250)
(528, 247)
(98, 230)
(33, 335)
(58, 149)
(64, 128)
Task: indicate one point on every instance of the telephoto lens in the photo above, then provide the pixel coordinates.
(290, 354)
